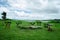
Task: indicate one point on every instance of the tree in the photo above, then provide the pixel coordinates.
(4, 16)
(55, 21)
(38, 22)
(32, 23)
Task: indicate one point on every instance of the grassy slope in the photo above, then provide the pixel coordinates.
(15, 33)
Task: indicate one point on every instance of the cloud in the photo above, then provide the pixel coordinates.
(37, 4)
(31, 9)
(3, 9)
(21, 4)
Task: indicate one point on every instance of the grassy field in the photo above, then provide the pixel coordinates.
(15, 33)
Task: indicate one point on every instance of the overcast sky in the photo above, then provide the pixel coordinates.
(31, 9)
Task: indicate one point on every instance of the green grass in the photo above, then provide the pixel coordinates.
(15, 33)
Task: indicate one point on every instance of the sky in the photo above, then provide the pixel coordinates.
(31, 9)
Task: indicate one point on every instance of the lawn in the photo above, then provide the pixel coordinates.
(15, 33)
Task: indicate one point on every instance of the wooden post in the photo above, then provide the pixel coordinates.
(7, 24)
(49, 27)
